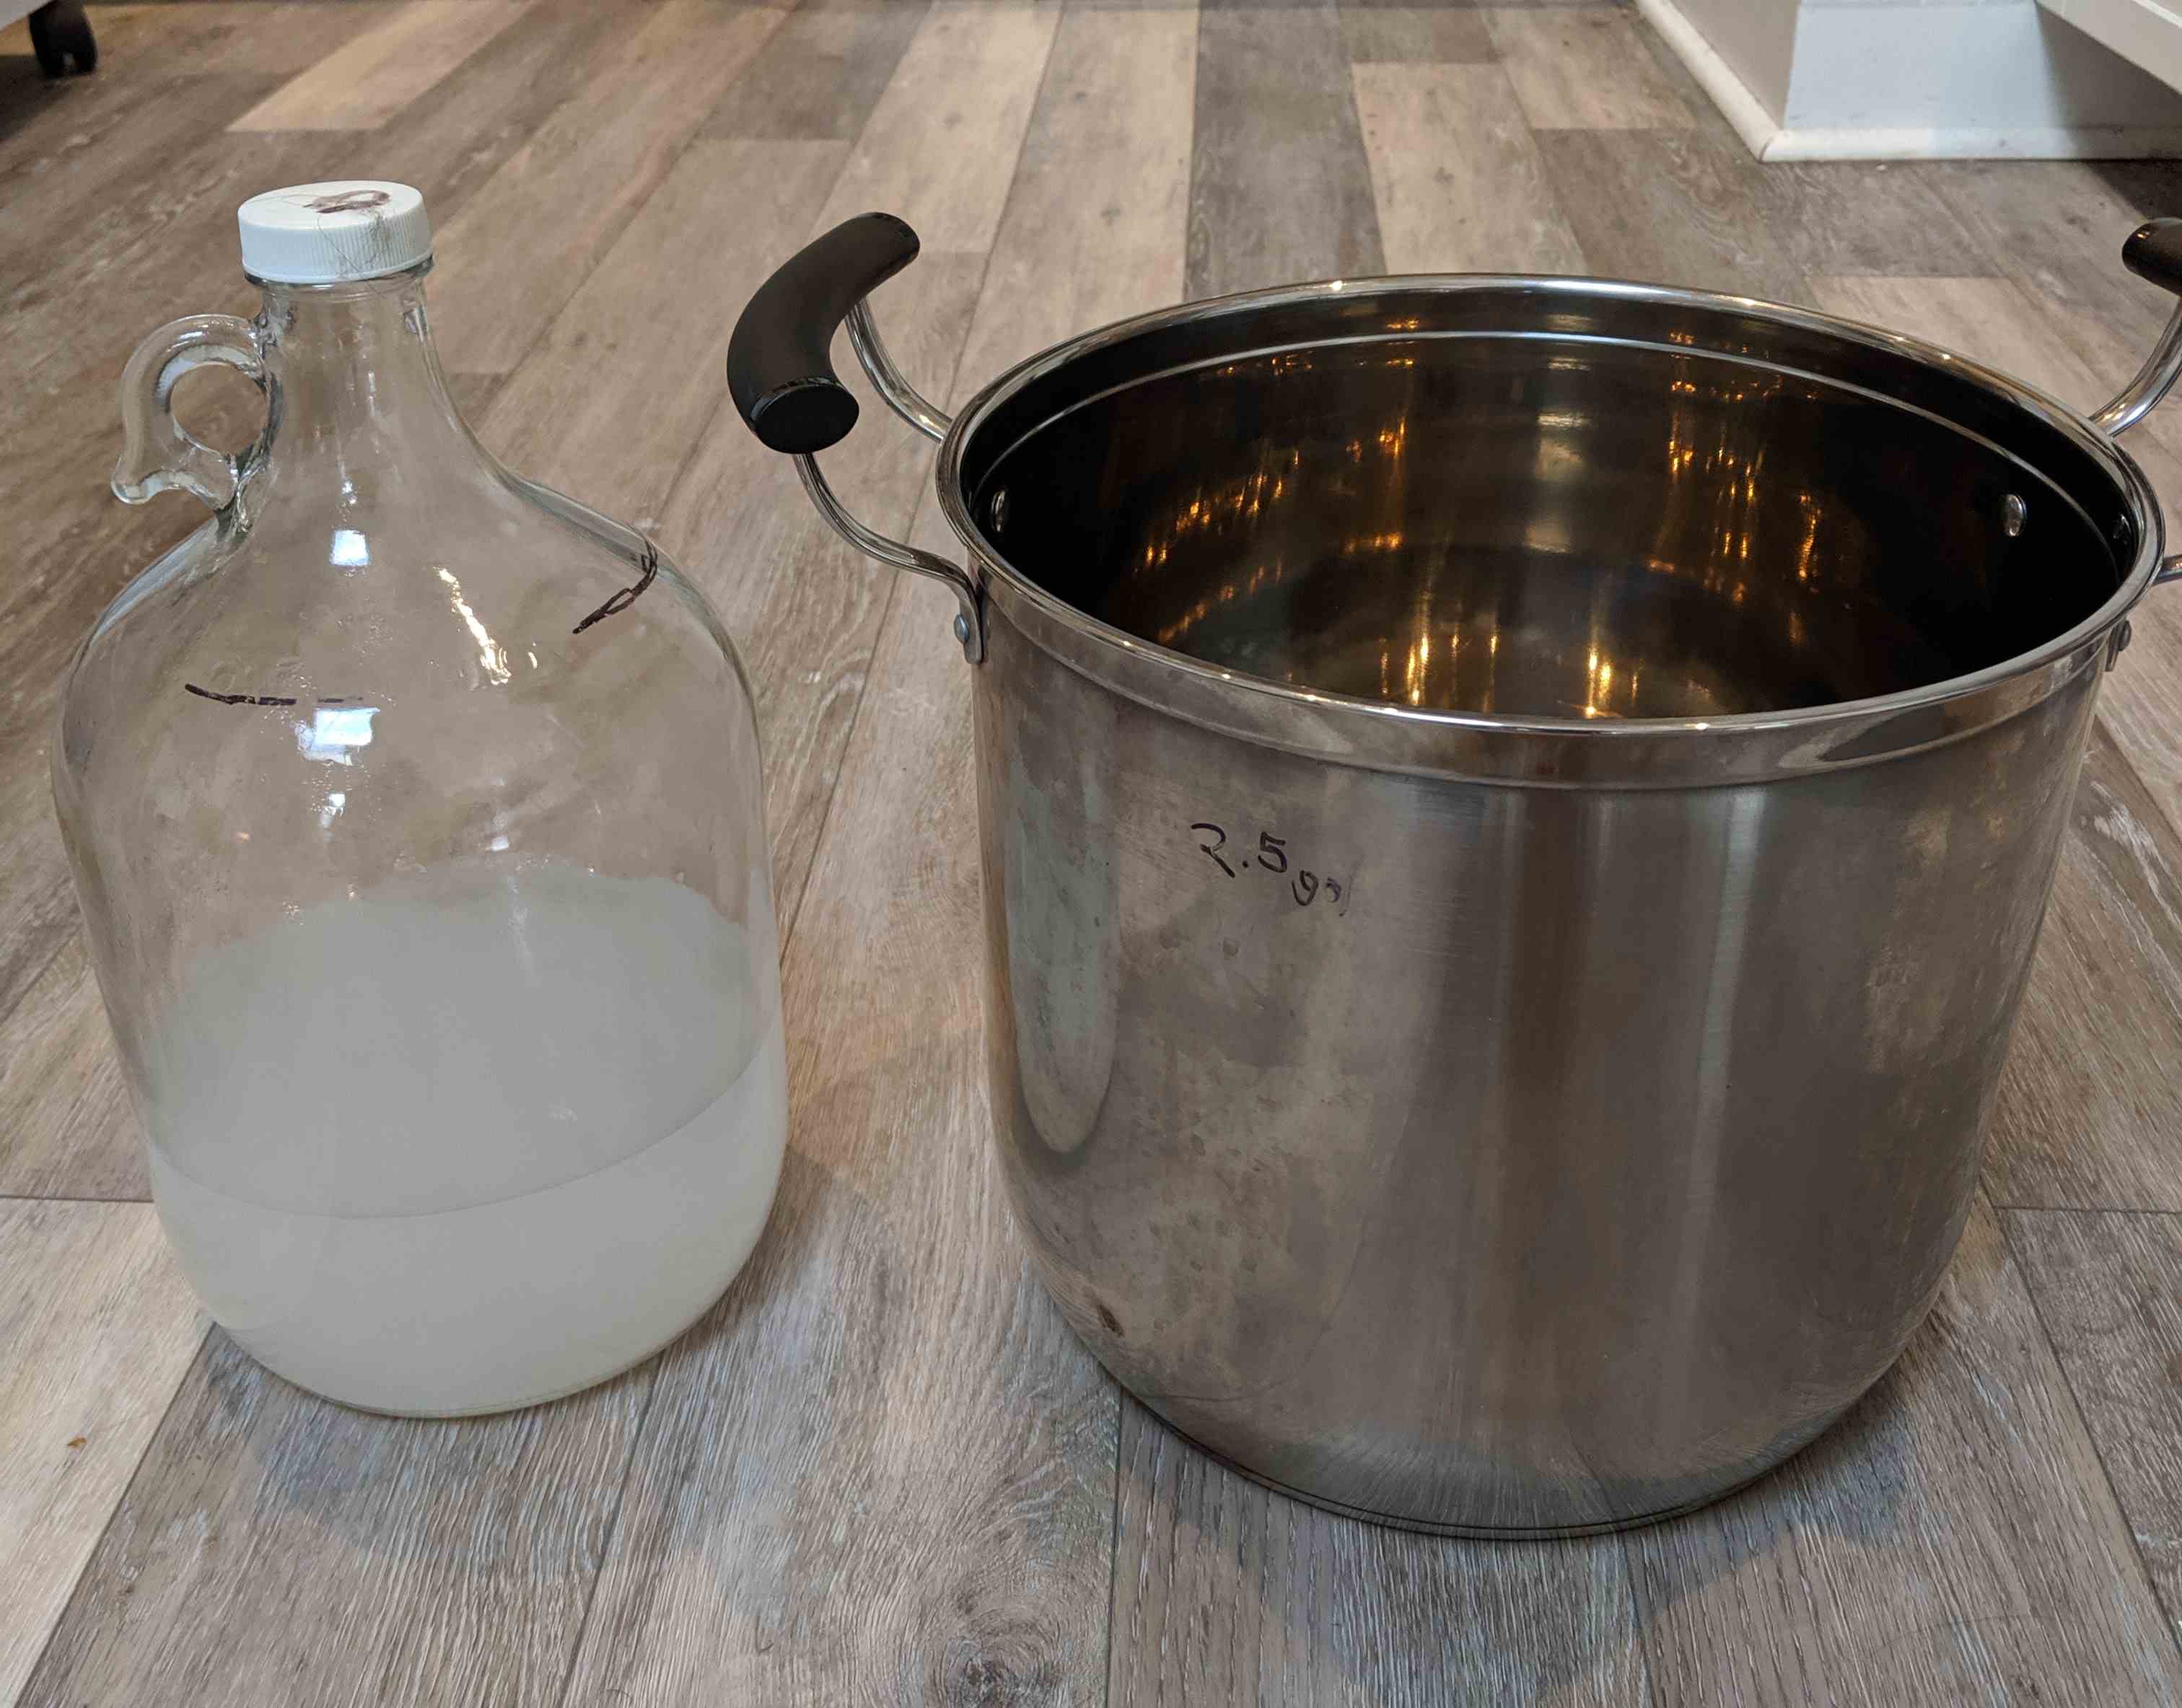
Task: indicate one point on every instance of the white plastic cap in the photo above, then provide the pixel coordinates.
(322, 234)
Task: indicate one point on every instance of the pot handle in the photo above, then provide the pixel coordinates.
(780, 372)
(2153, 252)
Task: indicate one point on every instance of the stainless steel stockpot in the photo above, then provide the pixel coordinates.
(1515, 814)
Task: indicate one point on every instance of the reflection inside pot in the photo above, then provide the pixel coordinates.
(1543, 527)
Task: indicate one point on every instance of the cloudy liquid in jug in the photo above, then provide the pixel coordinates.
(478, 1137)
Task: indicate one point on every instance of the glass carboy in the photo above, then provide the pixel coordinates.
(416, 817)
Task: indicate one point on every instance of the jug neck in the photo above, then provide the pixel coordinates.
(357, 391)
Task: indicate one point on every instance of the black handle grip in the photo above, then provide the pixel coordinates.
(780, 365)
(2154, 252)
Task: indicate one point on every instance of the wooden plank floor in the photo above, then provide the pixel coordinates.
(881, 1471)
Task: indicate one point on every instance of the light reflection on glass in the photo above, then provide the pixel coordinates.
(335, 732)
(492, 656)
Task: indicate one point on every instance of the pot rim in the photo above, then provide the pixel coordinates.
(1540, 750)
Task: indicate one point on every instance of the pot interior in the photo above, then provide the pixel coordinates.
(1532, 499)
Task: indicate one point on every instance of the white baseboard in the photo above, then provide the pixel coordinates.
(1769, 139)
(1752, 123)
(2073, 143)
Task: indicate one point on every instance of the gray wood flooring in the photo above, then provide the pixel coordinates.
(881, 1471)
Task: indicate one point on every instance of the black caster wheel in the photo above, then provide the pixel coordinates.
(59, 32)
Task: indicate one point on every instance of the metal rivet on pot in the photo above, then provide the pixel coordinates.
(963, 630)
(999, 509)
(2013, 510)
(2121, 639)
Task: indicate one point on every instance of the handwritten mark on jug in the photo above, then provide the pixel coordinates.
(240, 699)
(1304, 885)
(626, 597)
(350, 201)
(258, 699)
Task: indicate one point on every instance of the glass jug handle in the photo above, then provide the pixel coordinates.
(158, 454)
